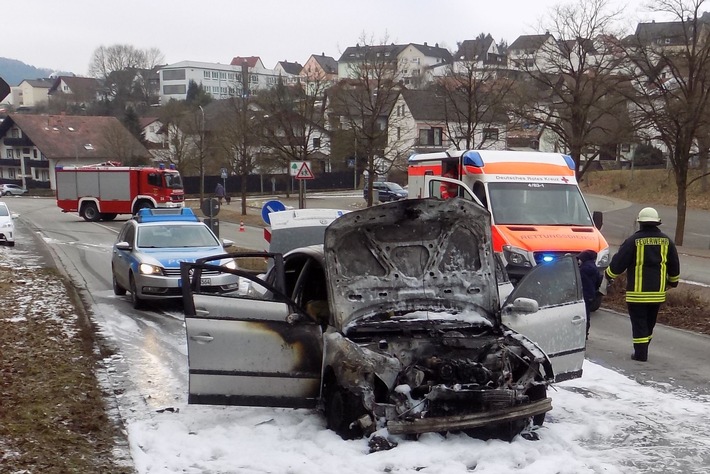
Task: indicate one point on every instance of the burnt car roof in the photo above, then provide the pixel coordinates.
(411, 255)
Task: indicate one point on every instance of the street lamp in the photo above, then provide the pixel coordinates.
(202, 155)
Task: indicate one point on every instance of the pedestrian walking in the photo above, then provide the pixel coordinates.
(650, 259)
(219, 192)
(591, 280)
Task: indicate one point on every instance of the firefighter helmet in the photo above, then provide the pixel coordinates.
(648, 215)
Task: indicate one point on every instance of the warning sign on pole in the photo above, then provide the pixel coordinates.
(304, 172)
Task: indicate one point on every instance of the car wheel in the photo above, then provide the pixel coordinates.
(11, 244)
(535, 393)
(90, 212)
(135, 299)
(342, 410)
(118, 290)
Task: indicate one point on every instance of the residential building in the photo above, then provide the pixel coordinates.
(417, 63)
(352, 59)
(288, 72)
(320, 67)
(533, 52)
(32, 146)
(218, 80)
(481, 53)
(30, 93)
(75, 90)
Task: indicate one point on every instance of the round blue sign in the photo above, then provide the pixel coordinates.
(269, 207)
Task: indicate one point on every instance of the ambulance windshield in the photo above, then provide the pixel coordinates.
(538, 204)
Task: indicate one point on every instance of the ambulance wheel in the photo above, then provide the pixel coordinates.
(90, 212)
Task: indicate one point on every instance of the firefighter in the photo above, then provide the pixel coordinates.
(650, 259)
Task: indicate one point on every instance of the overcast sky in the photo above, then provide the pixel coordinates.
(63, 35)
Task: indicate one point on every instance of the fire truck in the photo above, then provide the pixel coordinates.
(101, 192)
(537, 209)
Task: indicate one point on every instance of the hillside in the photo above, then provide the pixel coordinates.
(645, 186)
(14, 71)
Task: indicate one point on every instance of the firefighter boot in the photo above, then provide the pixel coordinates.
(640, 352)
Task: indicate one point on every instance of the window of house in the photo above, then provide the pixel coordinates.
(399, 133)
(34, 154)
(10, 154)
(316, 142)
(239, 76)
(253, 78)
(25, 151)
(223, 75)
(490, 134)
(431, 136)
(625, 147)
(215, 75)
(12, 173)
(415, 72)
(230, 76)
(175, 89)
(206, 74)
(174, 75)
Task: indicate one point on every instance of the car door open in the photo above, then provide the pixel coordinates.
(547, 306)
(250, 350)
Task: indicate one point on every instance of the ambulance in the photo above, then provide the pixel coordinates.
(537, 209)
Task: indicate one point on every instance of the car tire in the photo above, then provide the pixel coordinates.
(118, 290)
(11, 244)
(90, 212)
(135, 299)
(342, 409)
(535, 393)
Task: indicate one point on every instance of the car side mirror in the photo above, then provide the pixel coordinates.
(227, 243)
(123, 246)
(523, 305)
(14, 215)
(598, 219)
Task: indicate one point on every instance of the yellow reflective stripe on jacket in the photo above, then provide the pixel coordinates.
(664, 262)
(611, 274)
(645, 296)
(674, 278)
(638, 269)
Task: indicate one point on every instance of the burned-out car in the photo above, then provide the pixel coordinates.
(393, 323)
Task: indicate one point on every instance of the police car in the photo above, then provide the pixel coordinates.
(147, 253)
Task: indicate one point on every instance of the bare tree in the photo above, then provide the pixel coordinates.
(363, 102)
(181, 126)
(670, 70)
(117, 66)
(475, 92)
(123, 146)
(293, 123)
(237, 135)
(571, 82)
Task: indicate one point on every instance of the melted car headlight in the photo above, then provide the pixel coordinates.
(516, 256)
(147, 269)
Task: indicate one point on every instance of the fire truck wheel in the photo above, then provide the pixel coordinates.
(143, 205)
(108, 216)
(90, 212)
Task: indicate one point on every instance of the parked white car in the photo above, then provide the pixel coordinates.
(394, 322)
(7, 225)
(12, 190)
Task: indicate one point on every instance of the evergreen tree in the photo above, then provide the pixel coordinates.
(132, 124)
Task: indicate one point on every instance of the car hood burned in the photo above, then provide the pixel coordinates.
(412, 260)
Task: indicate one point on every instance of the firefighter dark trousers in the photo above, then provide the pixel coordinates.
(643, 320)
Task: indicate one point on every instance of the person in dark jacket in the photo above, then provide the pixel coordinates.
(650, 259)
(591, 280)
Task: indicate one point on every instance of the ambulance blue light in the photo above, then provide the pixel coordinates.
(548, 258)
(570, 162)
(472, 158)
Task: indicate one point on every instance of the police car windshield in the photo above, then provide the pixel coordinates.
(175, 236)
(538, 204)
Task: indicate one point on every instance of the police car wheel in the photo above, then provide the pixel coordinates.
(135, 299)
(118, 290)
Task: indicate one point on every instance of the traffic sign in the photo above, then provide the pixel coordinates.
(224, 173)
(304, 172)
(210, 207)
(269, 207)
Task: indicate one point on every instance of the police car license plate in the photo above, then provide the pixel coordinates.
(205, 281)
